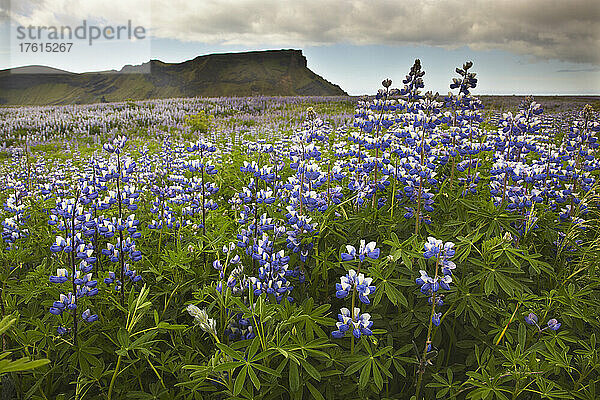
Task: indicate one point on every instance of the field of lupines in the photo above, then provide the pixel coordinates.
(406, 245)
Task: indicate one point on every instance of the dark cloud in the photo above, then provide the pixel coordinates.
(566, 30)
(543, 29)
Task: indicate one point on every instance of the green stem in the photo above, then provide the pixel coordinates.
(121, 255)
(428, 341)
(114, 377)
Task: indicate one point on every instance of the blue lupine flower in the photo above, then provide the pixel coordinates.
(65, 302)
(88, 316)
(365, 250)
(432, 247)
(445, 282)
(531, 319)
(239, 328)
(360, 325)
(435, 247)
(62, 275)
(553, 324)
(352, 281)
(428, 284)
(116, 146)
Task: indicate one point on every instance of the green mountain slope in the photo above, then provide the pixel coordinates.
(275, 72)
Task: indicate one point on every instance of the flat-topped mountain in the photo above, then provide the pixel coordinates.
(272, 73)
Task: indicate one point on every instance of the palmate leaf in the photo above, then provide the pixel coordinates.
(388, 286)
(494, 277)
(306, 318)
(442, 384)
(249, 363)
(369, 364)
(175, 258)
(22, 364)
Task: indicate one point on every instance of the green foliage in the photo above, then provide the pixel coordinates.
(199, 123)
(150, 348)
(20, 365)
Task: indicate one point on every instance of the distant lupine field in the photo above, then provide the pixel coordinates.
(403, 245)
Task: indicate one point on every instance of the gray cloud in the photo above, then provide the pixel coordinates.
(577, 70)
(4, 7)
(543, 29)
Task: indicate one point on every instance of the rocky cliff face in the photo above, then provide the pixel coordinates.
(273, 72)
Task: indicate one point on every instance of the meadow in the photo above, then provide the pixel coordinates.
(405, 245)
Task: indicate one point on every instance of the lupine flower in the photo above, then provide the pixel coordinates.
(553, 324)
(356, 283)
(360, 325)
(240, 328)
(65, 302)
(88, 316)
(436, 319)
(201, 318)
(531, 319)
(352, 281)
(365, 250)
(430, 286)
(435, 247)
(62, 275)
(116, 146)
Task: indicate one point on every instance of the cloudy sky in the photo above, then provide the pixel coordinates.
(521, 47)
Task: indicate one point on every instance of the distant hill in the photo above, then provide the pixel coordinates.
(273, 72)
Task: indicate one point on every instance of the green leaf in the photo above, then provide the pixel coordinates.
(236, 355)
(253, 348)
(315, 393)
(267, 370)
(312, 371)
(355, 367)
(522, 335)
(239, 381)
(294, 377)
(6, 322)
(406, 259)
(365, 374)
(489, 284)
(22, 364)
(123, 338)
(377, 376)
(254, 378)
(228, 366)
